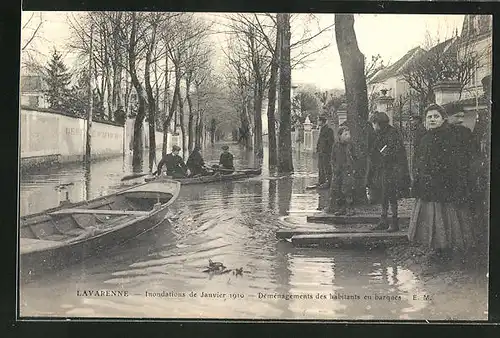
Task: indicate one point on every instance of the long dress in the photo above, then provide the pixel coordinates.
(441, 217)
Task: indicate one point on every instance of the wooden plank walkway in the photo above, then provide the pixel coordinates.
(366, 239)
(357, 219)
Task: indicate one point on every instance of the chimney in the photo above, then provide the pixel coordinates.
(446, 91)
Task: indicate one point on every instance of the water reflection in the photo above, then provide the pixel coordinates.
(231, 222)
(284, 194)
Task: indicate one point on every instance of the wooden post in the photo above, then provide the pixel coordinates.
(88, 146)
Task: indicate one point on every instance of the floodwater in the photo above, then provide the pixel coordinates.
(235, 223)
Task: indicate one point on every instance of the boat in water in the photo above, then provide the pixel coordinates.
(72, 232)
(217, 177)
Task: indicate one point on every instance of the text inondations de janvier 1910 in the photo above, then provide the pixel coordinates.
(216, 295)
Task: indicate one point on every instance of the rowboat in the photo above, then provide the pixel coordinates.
(237, 175)
(72, 232)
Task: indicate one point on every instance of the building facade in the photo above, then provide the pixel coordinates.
(31, 91)
(477, 38)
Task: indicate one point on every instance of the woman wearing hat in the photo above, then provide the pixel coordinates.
(226, 160)
(176, 168)
(441, 217)
(195, 163)
(388, 173)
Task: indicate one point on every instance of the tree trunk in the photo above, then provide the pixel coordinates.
(165, 108)
(181, 122)
(109, 90)
(191, 117)
(168, 120)
(117, 100)
(271, 106)
(353, 64)
(137, 145)
(213, 128)
(151, 103)
(259, 93)
(245, 135)
(285, 163)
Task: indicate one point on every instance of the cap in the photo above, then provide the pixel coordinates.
(225, 147)
(176, 148)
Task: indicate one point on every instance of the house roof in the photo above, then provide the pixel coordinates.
(398, 66)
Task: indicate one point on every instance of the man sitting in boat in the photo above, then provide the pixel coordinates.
(175, 166)
(196, 164)
(226, 161)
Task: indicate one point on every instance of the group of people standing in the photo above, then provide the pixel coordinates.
(195, 166)
(441, 180)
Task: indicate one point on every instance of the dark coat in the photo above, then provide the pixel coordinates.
(226, 161)
(442, 163)
(174, 164)
(195, 162)
(388, 171)
(343, 162)
(326, 140)
(343, 157)
(417, 133)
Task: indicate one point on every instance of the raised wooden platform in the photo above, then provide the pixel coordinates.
(357, 219)
(365, 239)
(289, 233)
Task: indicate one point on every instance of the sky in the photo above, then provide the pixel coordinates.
(390, 35)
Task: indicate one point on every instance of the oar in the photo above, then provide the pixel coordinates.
(136, 175)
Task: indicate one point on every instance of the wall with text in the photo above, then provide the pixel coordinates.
(44, 133)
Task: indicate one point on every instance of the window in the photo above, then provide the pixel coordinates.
(33, 101)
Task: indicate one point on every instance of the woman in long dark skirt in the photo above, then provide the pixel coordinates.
(388, 171)
(441, 218)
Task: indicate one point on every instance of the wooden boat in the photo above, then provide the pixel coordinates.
(74, 231)
(217, 177)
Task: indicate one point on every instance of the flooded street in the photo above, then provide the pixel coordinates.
(235, 223)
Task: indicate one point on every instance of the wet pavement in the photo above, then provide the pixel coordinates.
(235, 223)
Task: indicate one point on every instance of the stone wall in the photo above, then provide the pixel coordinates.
(47, 137)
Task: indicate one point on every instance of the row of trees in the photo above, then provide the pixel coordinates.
(160, 62)
(260, 55)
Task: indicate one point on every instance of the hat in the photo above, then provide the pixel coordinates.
(379, 117)
(323, 117)
(176, 148)
(225, 148)
(438, 108)
(454, 109)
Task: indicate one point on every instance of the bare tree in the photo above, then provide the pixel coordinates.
(285, 164)
(353, 68)
(263, 27)
(453, 59)
(31, 33)
(189, 31)
(373, 66)
(240, 80)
